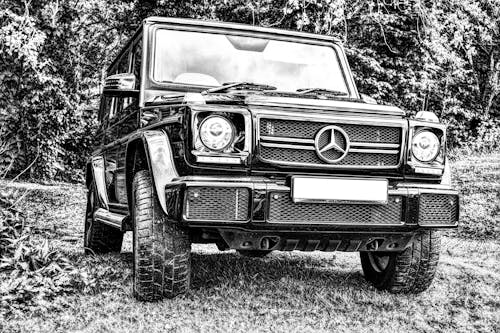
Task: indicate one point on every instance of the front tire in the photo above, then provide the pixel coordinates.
(98, 237)
(410, 271)
(162, 249)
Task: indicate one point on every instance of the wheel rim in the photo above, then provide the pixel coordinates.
(378, 262)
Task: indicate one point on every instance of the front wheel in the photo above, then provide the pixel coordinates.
(409, 271)
(162, 249)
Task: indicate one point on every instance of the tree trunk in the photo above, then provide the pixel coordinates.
(492, 84)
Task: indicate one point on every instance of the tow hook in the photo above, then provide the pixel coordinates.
(374, 244)
(268, 242)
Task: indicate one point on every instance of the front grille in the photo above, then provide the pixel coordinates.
(299, 156)
(283, 210)
(438, 209)
(308, 129)
(292, 142)
(217, 203)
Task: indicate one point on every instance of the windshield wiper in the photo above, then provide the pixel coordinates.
(249, 85)
(322, 91)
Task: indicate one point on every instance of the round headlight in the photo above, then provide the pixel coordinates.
(216, 132)
(425, 146)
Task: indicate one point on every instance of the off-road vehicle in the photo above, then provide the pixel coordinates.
(257, 140)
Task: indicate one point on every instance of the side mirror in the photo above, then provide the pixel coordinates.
(368, 99)
(120, 85)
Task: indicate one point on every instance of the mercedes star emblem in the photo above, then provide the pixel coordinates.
(332, 144)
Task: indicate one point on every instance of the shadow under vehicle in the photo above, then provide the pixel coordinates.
(257, 140)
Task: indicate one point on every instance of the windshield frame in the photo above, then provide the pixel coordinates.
(236, 30)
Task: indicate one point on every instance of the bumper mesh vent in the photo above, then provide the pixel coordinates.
(438, 209)
(283, 210)
(217, 203)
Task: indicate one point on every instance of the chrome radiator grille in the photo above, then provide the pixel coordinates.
(283, 210)
(217, 203)
(292, 142)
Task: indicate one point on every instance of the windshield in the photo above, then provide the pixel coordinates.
(215, 59)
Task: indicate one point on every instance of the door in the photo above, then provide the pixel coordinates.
(122, 122)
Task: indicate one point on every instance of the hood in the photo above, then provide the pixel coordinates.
(285, 101)
(324, 105)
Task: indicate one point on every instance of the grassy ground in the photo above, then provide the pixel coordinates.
(296, 292)
(478, 179)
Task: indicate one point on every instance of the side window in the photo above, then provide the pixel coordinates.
(129, 62)
(127, 102)
(116, 104)
(105, 108)
(101, 114)
(109, 107)
(123, 64)
(137, 62)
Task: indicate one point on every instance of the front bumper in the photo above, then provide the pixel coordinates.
(259, 203)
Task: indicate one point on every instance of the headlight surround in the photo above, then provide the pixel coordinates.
(216, 133)
(425, 146)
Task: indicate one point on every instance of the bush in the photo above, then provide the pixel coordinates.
(30, 271)
(487, 139)
(11, 224)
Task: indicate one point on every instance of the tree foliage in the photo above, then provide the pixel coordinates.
(439, 56)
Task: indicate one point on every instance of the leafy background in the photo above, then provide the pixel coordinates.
(439, 56)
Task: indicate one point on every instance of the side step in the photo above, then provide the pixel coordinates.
(109, 218)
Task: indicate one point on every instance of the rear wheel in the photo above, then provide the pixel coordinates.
(254, 253)
(162, 262)
(99, 237)
(410, 271)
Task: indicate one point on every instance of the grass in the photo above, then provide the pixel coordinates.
(287, 292)
(478, 179)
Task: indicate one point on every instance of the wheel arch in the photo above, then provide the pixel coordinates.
(136, 159)
(150, 150)
(89, 174)
(94, 172)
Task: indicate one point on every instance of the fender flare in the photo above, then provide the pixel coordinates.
(446, 177)
(95, 172)
(160, 162)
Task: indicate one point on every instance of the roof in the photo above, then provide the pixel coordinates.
(238, 27)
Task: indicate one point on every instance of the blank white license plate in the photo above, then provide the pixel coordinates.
(312, 189)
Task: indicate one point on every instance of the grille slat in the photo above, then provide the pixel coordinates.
(291, 142)
(283, 210)
(217, 203)
(310, 157)
(308, 129)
